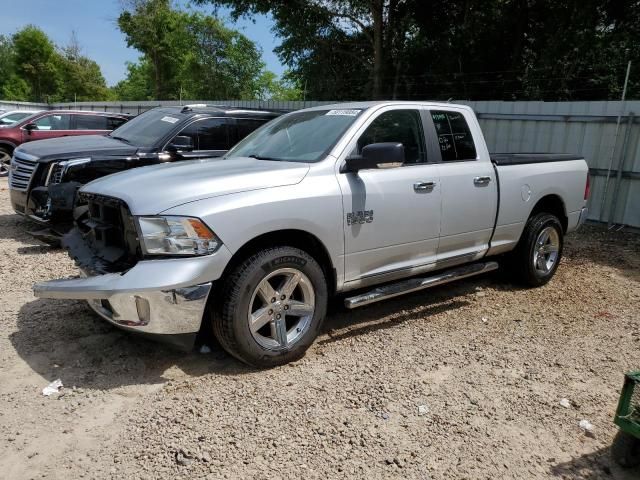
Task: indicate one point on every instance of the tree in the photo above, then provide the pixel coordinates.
(15, 88)
(468, 49)
(139, 82)
(270, 87)
(35, 62)
(6, 60)
(354, 35)
(220, 62)
(81, 77)
(186, 55)
(157, 30)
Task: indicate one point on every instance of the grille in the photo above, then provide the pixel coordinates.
(21, 171)
(108, 230)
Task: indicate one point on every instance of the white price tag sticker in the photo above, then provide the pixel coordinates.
(349, 113)
(169, 119)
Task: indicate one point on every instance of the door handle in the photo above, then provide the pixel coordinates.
(424, 186)
(481, 180)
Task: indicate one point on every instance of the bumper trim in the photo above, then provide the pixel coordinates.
(168, 312)
(583, 217)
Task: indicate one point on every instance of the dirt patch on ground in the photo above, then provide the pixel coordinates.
(463, 381)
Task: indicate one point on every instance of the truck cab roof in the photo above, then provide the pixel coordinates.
(384, 103)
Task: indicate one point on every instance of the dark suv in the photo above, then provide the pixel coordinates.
(51, 124)
(45, 175)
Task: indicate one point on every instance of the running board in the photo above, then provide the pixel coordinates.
(414, 284)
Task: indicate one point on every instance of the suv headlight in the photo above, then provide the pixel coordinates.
(176, 236)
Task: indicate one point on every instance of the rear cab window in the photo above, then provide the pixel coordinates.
(454, 136)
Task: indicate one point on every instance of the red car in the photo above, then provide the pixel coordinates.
(51, 124)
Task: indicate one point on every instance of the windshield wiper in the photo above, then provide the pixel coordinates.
(260, 157)
(122, 139)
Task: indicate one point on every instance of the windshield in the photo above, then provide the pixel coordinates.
(13, 117)
(147, 128)
(298, 137)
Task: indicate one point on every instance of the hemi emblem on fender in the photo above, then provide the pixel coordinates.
(360, 217)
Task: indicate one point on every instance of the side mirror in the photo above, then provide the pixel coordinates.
(180, 143)
(376, 155)
(29, 127)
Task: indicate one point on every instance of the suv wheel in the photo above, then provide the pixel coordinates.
(273, 305)
(539, 251)
(5, 162)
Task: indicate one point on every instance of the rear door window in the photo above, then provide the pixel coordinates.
(454, 136)
(244, 126)
(54, 122)
(91, 122)
(115, 122)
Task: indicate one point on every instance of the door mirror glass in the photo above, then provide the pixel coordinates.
(30, 126)
(180, 143)
(377, 155)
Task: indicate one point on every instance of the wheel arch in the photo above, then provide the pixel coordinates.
(301, 239)
(553, 204)
(7, 144)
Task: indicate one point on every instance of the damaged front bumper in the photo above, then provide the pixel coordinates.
(165, 298)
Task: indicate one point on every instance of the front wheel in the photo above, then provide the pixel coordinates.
(272, 307)
(5, 162)
(536, 258)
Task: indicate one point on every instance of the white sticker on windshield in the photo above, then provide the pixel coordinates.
(349, 113)
(169, 119)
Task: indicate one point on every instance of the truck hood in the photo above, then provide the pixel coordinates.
(64, 148)
(154, 189)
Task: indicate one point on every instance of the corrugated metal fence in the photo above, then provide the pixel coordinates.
(585, 128)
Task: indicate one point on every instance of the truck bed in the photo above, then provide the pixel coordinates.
(524, 158)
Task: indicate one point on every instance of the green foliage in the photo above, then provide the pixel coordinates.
(186, 55)
(219, 63)
(81, 77)
(157, 30)
(472, 49)
(35, 62)
(272, 88)
(6, 60)
(15, 88)
(138, 85)
(32, 68)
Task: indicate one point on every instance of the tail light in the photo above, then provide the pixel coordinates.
(587, 188)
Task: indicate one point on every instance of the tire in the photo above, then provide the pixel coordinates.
(625, 450)
(536, 258)
(270, 286)
(5, 161)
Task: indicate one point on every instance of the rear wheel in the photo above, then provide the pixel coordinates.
(5, 161)
(536, 258)
(273, 305)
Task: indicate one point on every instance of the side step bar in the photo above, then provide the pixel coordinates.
(414, 284)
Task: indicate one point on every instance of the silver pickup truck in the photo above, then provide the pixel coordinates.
(363, 200)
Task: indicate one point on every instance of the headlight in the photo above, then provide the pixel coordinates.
(176, 236)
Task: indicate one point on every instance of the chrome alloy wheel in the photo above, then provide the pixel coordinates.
(5, 163)
(545, 250)
(281, 308)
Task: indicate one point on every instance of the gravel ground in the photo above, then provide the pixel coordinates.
(463, 381)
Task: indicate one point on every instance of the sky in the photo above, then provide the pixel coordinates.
(94, 22)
